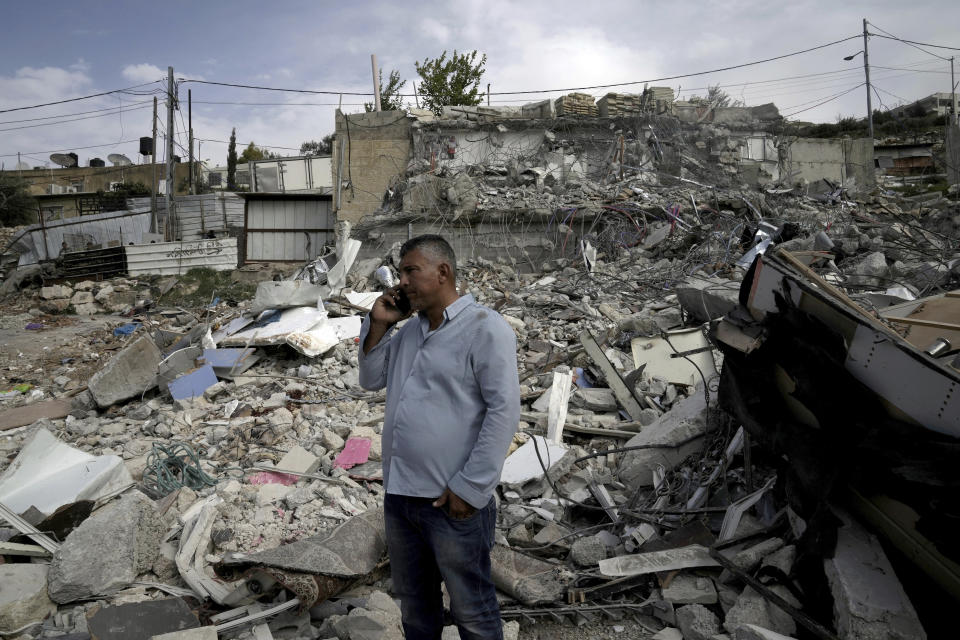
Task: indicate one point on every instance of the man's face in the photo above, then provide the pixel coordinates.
(420, 279)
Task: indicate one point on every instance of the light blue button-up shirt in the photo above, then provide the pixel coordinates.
(453, 401)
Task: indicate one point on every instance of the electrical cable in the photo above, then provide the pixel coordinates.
(92, 146)
(68, 115)
(172, 466)
(912, 44)
(93, 95)
(831, 99)
(50, 124)
(509, 93)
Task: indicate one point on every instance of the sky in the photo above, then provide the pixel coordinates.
(55, 51)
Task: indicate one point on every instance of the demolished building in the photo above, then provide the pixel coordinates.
(731, 382)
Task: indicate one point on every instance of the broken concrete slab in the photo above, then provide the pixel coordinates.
(668, 633)
(48, 474)
(588, 551)
(140, 620)
(869, 601)
(128, 374)
(680, 430)
(686, 588)
(707, 299)
(752, 608)
(528, 579)
(351, 550)
(696, 622)
(23, 595)
(688, 557)
(299, 460)
(107, 551)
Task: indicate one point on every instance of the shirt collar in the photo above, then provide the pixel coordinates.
(451, 312)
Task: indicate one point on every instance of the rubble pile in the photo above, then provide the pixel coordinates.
(216, 471)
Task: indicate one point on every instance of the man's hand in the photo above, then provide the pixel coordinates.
(459, 509)
(383, 315)
(385, 311)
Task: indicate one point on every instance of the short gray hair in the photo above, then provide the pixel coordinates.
(434, 246)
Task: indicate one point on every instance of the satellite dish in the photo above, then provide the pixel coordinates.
(63, 159)
(23, 166)
(119, 160)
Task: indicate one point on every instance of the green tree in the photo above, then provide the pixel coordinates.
(253, 152)
(232, 161)
(450, 82)
(390, 99)
(17, 206)
(315, 148)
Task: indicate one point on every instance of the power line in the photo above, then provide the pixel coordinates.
(508, 93)
(102, 115)
(78, 113)
(246, 144)
(93, 95)
(830, 99)
(914, 42)
(92, 146)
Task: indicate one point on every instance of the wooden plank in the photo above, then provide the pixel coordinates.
(17, 549)
(559, 399)
(28, 414)
(599, 431)
(920, 322)
(620, 390)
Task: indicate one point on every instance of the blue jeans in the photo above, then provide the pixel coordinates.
(426, 546)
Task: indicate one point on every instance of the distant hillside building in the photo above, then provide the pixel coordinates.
(939, 103)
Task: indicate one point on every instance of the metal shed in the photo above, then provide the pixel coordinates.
(287, 227)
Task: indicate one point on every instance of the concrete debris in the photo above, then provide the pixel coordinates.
(869, 600)
(129, 374)
(705, 309)
(141, 620)
(23, 595)
(108, 551)
(696, 622)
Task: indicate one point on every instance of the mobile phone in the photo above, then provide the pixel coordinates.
(402, 302)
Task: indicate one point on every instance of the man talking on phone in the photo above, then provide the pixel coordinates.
(453, 405)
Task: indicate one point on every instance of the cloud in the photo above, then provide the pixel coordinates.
(143, 72)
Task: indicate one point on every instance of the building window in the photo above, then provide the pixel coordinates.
(243, 177)
(215, 179)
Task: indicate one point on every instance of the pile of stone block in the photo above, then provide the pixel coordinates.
(576, 104)
(618, 104)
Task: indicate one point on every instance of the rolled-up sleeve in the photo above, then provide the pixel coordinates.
(494, 360)
(373, 364)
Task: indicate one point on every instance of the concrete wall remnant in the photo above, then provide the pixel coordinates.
(375, 150)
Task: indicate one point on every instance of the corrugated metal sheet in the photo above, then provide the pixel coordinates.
(288, 230)
(93, 231)
(199, 214)
(166, 258)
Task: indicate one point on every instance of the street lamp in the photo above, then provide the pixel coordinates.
(851, 57)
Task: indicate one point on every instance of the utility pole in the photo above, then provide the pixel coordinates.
(20, 171)
(153, 172)
(168, 196)
(376, 81)
(953, 93)
(866, 70)
(190, 127)
(488, 94)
